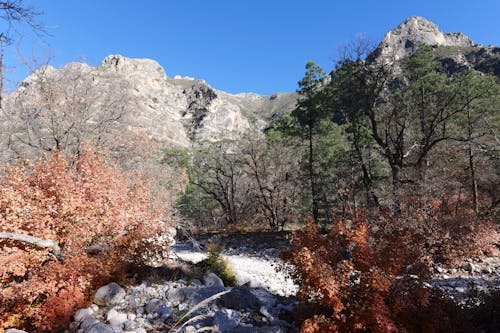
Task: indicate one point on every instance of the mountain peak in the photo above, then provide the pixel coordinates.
(415, 30)
(126, 65)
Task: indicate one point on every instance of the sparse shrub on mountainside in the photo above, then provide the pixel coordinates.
(100, 217)
(367, 275)
(68, 105)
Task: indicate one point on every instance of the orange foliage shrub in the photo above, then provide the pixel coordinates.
(368, 278)
(455, 234)
(99, 217)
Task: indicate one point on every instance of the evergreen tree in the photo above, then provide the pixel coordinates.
(310, 122)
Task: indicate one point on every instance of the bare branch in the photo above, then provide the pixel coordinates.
(37, 242)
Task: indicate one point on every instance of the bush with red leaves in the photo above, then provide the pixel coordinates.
(363, 277)
(99, 216)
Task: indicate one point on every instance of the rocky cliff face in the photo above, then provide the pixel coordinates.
(185, 111)
(180, 111)
(403, 40)
(456, 51)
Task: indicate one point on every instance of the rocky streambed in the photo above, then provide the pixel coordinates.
(182, 306)
(474, 274)
(262, 302)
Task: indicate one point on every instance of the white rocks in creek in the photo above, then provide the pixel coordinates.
(83, 314)
(470, 267)
(156, 307)
(109, 294)
(480, 275)
(227, 319)
(115, 318)
(261, 269)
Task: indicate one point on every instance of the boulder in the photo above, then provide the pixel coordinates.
(154, 306)
(264, 296)
(470, 267)
(179, 295)
(212, 280)
(109, 295)
(190, 296)
(240, 298)
(265, 312)
(116, 318)
(83, 314)
(202, 294)
(226, 320)
(100, 328)
(88, 323)
(130, 325)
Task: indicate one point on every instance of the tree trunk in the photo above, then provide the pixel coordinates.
(314, 195)
(2, 53)
(396, 189)
(471, 163)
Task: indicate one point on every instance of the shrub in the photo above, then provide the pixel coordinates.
(219, 265)
(102, 219)
(459, 234)
(369, 278)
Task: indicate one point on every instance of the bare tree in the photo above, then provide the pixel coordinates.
(272, 167)
(218, 171)
(59, 110)
(16, 13)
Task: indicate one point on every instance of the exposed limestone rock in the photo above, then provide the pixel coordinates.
(455, 51)
(83, 314)
(137, 67)
(402, 41)
(180, 111)
(212, 280)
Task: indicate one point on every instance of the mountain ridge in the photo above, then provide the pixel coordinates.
(176, 110)
(182, 111)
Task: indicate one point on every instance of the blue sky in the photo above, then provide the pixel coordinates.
(236, 46)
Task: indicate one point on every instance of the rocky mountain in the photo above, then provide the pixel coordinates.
(402, 41)
(184, 111)
(176, 110)
(455, 50)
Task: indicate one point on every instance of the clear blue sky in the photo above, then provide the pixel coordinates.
(236, 46)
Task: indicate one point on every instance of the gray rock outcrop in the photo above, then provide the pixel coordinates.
(179, 111)
(400, 42)
(454, 50)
